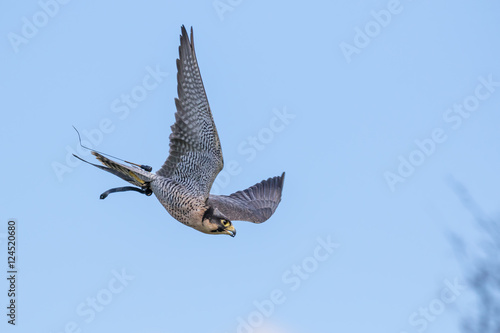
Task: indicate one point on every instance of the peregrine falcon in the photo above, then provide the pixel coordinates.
(183, 183)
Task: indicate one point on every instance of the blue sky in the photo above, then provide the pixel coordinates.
(370, 107)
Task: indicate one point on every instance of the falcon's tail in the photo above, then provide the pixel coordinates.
(131, 174)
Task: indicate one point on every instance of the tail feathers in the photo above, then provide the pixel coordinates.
(131, 174)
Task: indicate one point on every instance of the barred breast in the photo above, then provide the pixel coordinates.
(179, 200)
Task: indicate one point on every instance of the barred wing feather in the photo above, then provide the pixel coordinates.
(255, 204)
(195, 156)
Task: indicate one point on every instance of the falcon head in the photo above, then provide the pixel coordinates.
(216, 223)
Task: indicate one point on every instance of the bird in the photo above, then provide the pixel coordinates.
(183, 183)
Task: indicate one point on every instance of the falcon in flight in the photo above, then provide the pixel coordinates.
(182, 185)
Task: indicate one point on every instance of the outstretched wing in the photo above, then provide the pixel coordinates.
(255, 204)
(195, 156)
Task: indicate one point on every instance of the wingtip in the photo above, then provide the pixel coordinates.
(184, 32)
(183, 36)
(186, 45)
(282, 179)
(78, 157)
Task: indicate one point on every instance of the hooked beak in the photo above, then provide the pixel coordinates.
(231, 231)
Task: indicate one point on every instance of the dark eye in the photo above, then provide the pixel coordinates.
(225, 223)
